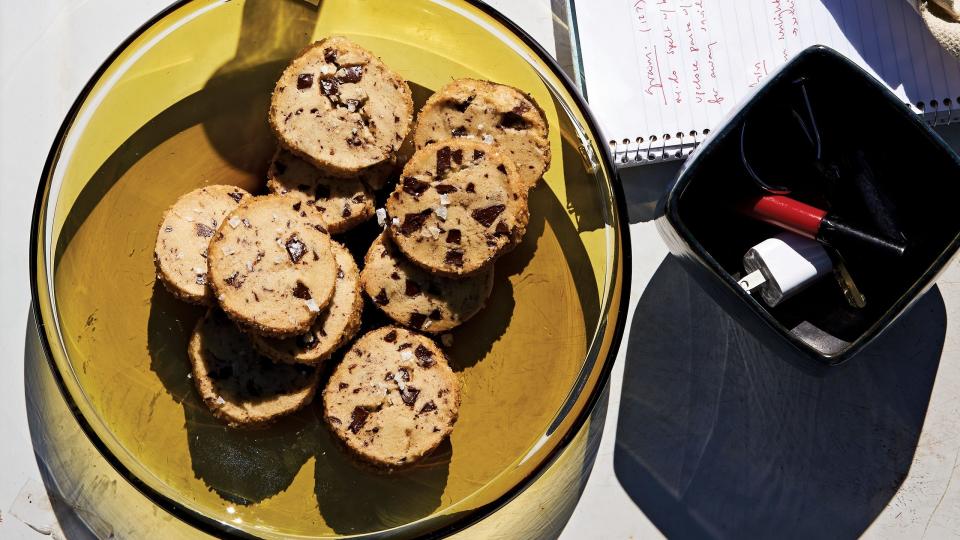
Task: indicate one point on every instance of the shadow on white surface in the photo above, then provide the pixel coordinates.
(717, 437)
(645, 186)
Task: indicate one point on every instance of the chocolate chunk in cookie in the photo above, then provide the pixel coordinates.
(271, 267)
(342, 203)
(240, 386)
(418, 298)
(340, 108)
(393, 398)
(335, 325)
(458, 206)
(180, 253)
(495, 114)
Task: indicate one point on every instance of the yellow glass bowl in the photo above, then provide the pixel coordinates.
(183, 103)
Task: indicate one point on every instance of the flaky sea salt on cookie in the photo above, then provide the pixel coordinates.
(343, 203)
(238, 385)
(457, 207)
(335, 325)
(180, 253)
(417, 298)
(393, 398)
(495, 114)
(271, 266)
(339, 107)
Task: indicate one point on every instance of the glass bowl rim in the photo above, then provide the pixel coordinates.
(214, 527)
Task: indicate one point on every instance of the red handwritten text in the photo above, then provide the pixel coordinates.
(640, 11)
(654, 81)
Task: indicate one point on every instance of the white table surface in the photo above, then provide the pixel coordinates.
(747, 448)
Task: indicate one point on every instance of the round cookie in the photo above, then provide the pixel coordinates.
(180, 253)
(240, 386)
(457, 207)
(271, 266)
(416, 298)
(342, 203)
(339, 107)
(393, 398)
(334, 326)
(494, 114)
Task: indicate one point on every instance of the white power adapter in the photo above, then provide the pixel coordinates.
(784, 265)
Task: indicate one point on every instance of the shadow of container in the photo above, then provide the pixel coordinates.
(718, 437)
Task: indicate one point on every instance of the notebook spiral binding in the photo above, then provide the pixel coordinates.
(656, 148)
(938, 112)
(666, 147)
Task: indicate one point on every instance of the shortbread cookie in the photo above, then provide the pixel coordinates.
(343, 203)
(493, 113)
(339, 107)
(457, 207)
(180, 254)
(393, 398)
(416, 298)
(271, 266)
(334, 326)
(240, 386)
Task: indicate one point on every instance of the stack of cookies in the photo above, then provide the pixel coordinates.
(284, 294)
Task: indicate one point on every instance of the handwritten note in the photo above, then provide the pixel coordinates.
(664, 72)
(680, 40)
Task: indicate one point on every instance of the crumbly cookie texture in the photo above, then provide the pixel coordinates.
(271, 266)
(240, 386)
(180, 253)
(457, 207)
(496, 114)
(393, 398)
(339, 107)
(343, 203)
(416, 298)
(335, 326)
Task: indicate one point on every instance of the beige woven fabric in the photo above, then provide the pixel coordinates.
(943, 19)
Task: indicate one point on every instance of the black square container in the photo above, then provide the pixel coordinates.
(913, 168)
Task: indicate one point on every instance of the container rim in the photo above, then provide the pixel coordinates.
(923, 282)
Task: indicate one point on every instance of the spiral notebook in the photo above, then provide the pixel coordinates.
(661, 73)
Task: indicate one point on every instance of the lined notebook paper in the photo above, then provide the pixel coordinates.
(661, 73)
